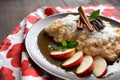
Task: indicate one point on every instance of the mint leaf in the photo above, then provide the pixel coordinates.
(64, 48)
(55, 47)
(94, 15)
(72, 44)
(64, 43)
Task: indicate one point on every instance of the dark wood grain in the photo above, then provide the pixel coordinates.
(13, 11)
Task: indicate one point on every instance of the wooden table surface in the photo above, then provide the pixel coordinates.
(13, 11)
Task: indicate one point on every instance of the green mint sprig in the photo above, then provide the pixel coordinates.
(94, 15)
(64, 45)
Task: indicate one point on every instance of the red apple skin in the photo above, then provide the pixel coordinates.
(106, 69)
(63, 54)
(87, 71)
(74, 64)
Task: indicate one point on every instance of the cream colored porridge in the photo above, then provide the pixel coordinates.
(105, 42)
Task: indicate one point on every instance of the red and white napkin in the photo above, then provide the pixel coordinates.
(15, 63)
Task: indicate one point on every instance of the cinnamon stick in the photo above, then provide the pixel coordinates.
(85, 19)
(80, 24)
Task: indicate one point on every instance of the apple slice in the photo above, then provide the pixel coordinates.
(86, 66)
(73, 61)
(100, 66)
(63, 54)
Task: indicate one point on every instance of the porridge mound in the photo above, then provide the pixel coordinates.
(105, 42)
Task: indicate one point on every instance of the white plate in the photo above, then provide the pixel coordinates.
(40, 59)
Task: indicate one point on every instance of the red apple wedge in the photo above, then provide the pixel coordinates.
(100, 66)
(86, 66)
(63, 54)
(73, 61)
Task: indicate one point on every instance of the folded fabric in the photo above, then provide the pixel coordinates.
(15, 63)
